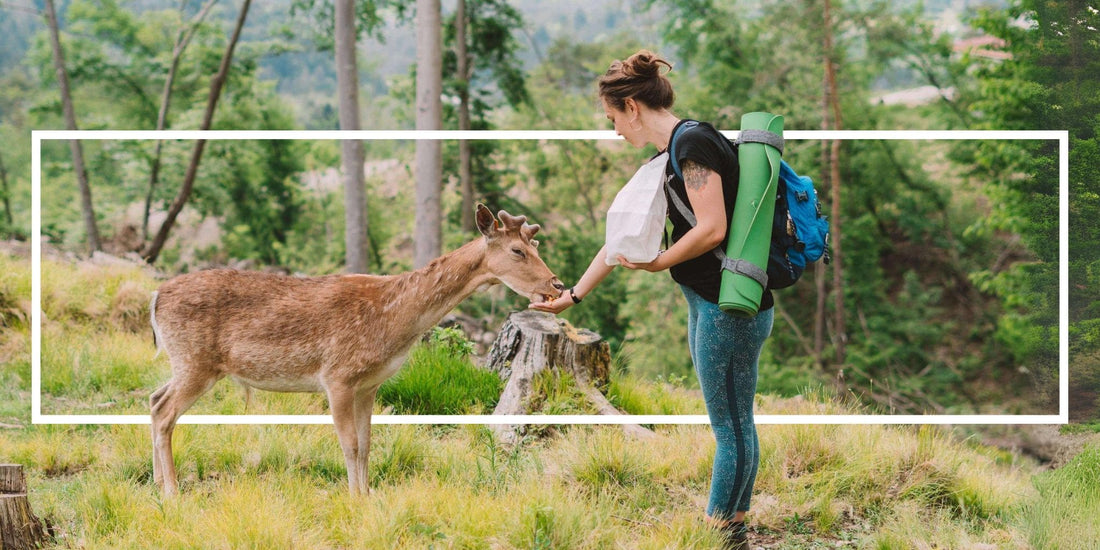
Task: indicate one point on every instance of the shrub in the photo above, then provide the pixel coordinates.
(439, 379)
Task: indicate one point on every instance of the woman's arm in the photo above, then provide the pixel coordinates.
(596, 272)
(704, 190)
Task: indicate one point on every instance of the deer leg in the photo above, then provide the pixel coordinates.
(341, 401)
(154, 401)
(364, 404)
(166, 406)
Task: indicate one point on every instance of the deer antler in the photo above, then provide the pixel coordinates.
(511, 222)
(528, 231)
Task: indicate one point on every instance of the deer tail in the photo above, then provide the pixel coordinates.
(158, 340)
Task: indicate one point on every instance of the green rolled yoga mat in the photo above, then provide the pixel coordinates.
(751, 226)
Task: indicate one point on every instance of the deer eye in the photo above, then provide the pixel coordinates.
(519, 252)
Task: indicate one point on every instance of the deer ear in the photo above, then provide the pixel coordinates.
(486, 223)
(534, 243)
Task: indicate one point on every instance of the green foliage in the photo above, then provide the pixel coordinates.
(316, 18)
(266, 204)
(633, 394)
(950, 249)
(569, 251)
(440, 379)
(1053, 57)
(914, 259)
(555, 392)
(452, 341)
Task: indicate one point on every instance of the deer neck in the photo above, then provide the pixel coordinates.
(422, 297)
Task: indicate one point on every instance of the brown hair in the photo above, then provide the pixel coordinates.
(638, 77)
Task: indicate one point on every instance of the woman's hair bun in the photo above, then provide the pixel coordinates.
(638, 77)
(645, 64)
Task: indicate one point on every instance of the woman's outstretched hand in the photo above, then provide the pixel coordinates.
(555, 306)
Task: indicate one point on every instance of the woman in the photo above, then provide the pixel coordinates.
(724, 349)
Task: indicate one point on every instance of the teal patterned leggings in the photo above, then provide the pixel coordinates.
(725, 350)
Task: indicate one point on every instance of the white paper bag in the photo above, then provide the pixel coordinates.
(636, 219)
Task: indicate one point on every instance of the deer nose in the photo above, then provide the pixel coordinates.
(557, 284)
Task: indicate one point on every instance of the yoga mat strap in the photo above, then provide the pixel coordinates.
(761, 136)
(746, 268)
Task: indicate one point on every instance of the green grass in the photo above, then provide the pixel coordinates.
(1085, 428)
(1065, 515)
(458, 486)
(586, 487)
(440, 379)
(15, 343)
(635, 395)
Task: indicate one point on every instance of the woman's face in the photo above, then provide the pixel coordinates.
(621, 121)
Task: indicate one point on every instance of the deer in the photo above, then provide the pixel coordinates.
(341, 335)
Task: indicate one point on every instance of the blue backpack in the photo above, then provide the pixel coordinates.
(800, 233)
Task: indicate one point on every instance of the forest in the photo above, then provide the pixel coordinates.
(943, 294)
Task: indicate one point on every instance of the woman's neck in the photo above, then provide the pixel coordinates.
(660, 128)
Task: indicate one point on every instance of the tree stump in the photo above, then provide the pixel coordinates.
(530, 342)
(19, 528)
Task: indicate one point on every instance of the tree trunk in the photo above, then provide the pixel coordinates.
(464, 172)
(90, 226)
(531, 342)
(5, 194)
(19, 527)
(833, 107)
(196, 155)
(429, 116)
(183, 38)
(356, 237)
(819, 317)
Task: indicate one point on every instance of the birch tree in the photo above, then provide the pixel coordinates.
(429, 116)
(462, 77)
(153, 251)
(69, 112)
(832, 121)
(347, 85)
(183, 38)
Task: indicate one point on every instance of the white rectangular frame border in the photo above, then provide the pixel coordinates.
(38, 136)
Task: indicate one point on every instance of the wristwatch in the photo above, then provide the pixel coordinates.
(573, 295)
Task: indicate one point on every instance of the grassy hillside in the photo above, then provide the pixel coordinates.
(457, 486)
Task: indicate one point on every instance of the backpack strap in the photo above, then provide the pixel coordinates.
(672, 148)
(738, 265)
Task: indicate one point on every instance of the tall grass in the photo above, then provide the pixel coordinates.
(458, 486)
(97, 348)
(439, 378)
(1068, 513)
(15, 344)
(586, 487)
(635, 395)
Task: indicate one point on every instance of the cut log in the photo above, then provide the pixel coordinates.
(19, 528)
(530, 342)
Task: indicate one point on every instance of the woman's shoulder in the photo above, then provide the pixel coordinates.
(701, 134)
(695, 129)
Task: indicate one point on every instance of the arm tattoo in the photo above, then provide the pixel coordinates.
(695, 175)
